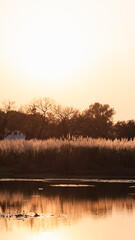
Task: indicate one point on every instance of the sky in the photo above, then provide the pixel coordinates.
(76, 52)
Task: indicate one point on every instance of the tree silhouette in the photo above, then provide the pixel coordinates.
(64, 115)
(125, 129)
(98, 120)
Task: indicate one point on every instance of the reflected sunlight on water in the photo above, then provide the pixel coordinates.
(46, 236)
(28, 213)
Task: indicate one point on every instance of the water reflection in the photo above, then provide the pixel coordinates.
(59, 206)
(37, 210)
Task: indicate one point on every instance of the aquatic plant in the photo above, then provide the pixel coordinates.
(68, 156)
(40, 145)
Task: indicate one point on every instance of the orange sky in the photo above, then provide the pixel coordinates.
(76, 52)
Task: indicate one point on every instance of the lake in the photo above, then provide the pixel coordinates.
(62, 209)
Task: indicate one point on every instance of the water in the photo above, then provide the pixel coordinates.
(67, 210)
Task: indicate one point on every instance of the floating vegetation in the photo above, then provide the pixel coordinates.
(22, 216)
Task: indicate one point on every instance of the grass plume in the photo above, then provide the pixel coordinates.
(68, 157)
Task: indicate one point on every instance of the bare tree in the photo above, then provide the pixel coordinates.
(63, 115)
(8, 106)
(43, 106)
(5, 116)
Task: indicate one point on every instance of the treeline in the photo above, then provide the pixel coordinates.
(43, 119)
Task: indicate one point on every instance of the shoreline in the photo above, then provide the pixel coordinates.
(61, 178)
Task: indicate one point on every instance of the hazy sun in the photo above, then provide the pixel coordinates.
(50, 44)
(46, 47)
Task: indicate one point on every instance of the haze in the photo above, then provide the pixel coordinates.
(76, 52)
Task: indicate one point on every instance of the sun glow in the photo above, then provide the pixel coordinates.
(76, 52)
(51, 44)
(46, 236)
(48, 51)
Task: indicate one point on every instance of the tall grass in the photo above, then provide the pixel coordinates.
(82, 156)
(41, 145)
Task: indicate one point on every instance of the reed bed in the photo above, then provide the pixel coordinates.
(81, 156)
(41, 145)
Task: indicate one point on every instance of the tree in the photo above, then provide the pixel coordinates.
(63, 116)
(30, 121)
(125, 129)
(98, 120)
(8, 106)
(43, 106)
(5, 116)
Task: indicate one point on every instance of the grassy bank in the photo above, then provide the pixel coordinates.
(81, 157)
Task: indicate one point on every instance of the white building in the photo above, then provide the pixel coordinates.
(15, 135)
